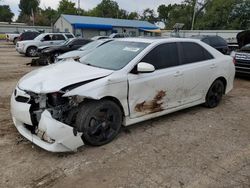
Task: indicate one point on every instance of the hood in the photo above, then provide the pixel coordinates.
(25, 41)
(243, 38)
(57, 76)
(74, 54)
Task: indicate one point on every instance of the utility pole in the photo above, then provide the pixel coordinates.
(79, 7)
(194, 14)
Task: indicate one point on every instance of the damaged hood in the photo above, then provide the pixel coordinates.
(243, 38)
(57, 76)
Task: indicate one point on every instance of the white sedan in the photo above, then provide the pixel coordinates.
(64, 106)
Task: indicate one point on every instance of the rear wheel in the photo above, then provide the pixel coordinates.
(99, 121)
(31, 51)
(15, 41)
(214, 94)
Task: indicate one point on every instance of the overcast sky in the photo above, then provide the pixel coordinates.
(129, 5)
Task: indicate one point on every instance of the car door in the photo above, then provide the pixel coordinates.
(46, 40)
(197, 66)
(154, 92)
(57, 39)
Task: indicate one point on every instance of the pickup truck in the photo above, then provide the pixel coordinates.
(12, 37)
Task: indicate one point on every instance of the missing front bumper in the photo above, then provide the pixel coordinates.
(56, 136)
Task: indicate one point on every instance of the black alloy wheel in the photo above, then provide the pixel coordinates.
(99, 121)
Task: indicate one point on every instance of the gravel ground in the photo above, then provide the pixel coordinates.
(196, 147)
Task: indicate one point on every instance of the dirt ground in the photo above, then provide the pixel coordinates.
(196, 147)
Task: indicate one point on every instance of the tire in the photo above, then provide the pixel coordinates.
(99, 121)
(31, 51)
(214, 94)
(15, 41)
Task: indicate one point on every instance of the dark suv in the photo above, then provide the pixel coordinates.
(242, 56)
(215, 41)
(28, 35)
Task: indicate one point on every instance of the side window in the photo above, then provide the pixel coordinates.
(47, 38)
(192, 52)
(69, 36)
(58, 37)
(163, 56)
(80, 42)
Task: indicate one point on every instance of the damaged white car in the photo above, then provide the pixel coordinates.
(64, 106)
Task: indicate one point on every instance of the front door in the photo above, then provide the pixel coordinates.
(154, 92)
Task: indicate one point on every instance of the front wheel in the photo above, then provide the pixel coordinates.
(214, 94)
(31, 51)
(99, 121)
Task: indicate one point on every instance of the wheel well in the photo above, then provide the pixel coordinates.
(224, 81)
(115, 100)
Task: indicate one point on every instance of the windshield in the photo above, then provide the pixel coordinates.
(91, 45)
(114, 55)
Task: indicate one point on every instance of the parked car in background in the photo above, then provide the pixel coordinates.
(215, 41)
(119, 35)
(77, 54)
(28, 35)
(12, 37)
(242, 56)
(29, 47)
(99, 37)
(119, 83)
(51, 53)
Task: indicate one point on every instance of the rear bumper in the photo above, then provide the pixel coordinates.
(50, 135)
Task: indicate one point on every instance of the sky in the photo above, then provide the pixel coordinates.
(129, 5)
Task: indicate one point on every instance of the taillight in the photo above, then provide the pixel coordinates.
(234, 60)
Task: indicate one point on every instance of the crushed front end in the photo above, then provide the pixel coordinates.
(47, 120)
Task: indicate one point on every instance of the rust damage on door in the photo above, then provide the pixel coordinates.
(152, 106)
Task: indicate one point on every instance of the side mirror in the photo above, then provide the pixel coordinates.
(143, 67)
(42, 40)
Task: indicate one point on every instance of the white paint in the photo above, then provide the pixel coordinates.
(184, 86)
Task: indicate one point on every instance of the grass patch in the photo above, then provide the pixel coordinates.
(2, 36)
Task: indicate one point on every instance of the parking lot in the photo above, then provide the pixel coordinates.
(196, 147)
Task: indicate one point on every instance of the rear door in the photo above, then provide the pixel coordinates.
(197, 67)
(154, 92)
(57, 39)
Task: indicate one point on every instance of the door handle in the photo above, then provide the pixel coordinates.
(178, 73)
(51, 42)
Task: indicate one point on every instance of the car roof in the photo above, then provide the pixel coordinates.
(157, 39)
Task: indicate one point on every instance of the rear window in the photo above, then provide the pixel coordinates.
(58, 37)
(192, 52)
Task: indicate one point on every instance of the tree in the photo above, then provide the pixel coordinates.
(46, 17)
(164, 12)
(133, 16)
(26, 7)
(107, 9)
(225, 14)
(66, 7)
(149, 15)
(5, 13)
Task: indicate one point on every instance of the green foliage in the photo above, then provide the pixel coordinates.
(225, 14)
(66, 7)
(149, 15)
(107, 9)
(26, 6)
(5, 13)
